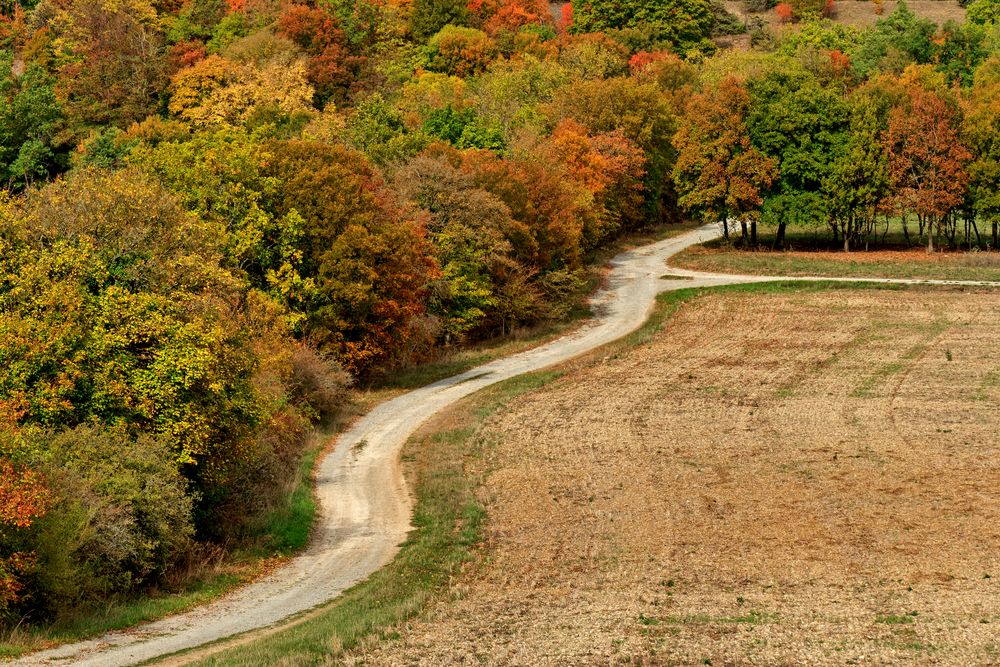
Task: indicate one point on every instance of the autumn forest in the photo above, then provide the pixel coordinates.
(217, 216)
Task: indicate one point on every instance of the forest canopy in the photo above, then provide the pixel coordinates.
(218, 214)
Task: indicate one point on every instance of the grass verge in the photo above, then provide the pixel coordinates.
(448, 520)
(811, 253)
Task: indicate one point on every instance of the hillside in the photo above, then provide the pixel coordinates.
(230, 229)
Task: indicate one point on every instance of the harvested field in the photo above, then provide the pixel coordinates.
(860, 13)
(912, 263)
(793, 477)
(856, 13)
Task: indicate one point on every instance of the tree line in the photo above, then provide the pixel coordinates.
(220, 213)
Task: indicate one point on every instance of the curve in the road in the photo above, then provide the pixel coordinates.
(364, 504)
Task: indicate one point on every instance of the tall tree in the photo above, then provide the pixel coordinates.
(719, 174)
(369, 262)
(642, 113)
(927, 160)
(981, 131)
(857, 183)
(804, 128)
(898, 40)
(115, 60)
(29, 117)
(685, 24)
(427, 17)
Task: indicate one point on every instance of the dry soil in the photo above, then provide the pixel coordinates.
(794, 478)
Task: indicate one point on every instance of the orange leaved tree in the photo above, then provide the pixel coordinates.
(927, 161)
(719, 174)
(23, 498)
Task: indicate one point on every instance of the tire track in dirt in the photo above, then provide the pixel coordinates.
(364, 503)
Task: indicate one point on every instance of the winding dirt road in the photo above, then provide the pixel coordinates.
(364, 503)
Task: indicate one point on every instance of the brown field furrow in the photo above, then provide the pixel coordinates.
(799, 478)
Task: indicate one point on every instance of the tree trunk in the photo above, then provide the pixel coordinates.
(779, 237)
(995, 231)
(930, 235)
(743, 228)
(753, 234)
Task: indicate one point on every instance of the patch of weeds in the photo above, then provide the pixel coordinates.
(916, 646)
(648, 620)
(991, 381)
(896, 619)
(797, 468)
(930, 332)
(749, 618)
(864, 390)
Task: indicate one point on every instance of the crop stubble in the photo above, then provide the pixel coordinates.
(791, 478)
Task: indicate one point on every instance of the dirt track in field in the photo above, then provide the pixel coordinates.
(364, 502)
(801, 478)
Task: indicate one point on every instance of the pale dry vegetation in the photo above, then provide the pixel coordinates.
(860, 13)
(792, 477)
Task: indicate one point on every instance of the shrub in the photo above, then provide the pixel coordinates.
(463, 129)
(121, 518)
(318, 384)
(564, 290)
(686, 24)
(461, 52)
(427, 17)
(593, 56)
(726, 23)
(984, 12)
(760, 36)
(758, 6)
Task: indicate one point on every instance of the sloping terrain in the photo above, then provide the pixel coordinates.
(780, 477)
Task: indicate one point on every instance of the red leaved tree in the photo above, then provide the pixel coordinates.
(566, 18)
(610, 167)
(927, 161)
(332, 68)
